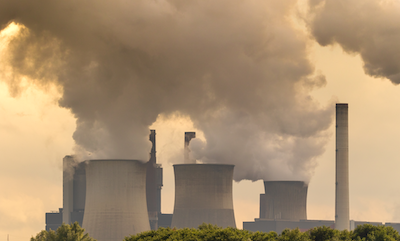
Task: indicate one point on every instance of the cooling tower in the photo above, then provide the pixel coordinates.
(284, 200)
(203, 194)
(115, 199)
(342, 168)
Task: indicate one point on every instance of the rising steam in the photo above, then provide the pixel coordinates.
(238, 69)
(370, 28)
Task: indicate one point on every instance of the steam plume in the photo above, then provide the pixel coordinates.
(239, 69)
(367, 27)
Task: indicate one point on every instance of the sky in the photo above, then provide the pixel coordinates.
(282, 83)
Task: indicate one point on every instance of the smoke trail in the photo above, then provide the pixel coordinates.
(239, 69)
(367, 27)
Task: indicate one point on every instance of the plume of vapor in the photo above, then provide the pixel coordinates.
(238, 69)
(367, 27)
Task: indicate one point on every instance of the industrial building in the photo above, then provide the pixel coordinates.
(284, 203)
(74, 193)
(123, 197)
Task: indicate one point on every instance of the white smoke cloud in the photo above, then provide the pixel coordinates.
(238, 69)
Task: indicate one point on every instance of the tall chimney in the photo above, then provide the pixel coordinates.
(153, 184)
(74, 190)
(186, 156)
(342, 168)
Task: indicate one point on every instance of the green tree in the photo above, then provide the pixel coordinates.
(345, 235)
(324, 234)
(261, 236)
(65, 232)
(209, 232)
(368, 232)
(293, 235)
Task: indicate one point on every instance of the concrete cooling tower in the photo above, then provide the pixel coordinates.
(203, 194)
(115, 199)
(284, 200)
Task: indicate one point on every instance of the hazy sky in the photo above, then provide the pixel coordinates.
(36, 133)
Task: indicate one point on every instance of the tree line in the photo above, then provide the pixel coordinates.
(208, 232)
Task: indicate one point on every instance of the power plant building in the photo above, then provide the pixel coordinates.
(203, 194)
(74, 193)
(115, 199)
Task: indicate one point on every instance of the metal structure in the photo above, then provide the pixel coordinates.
(203, 194)
(153, 184)
(115, 199)
(186, 155)
(284, 200)
(342, 210)
(74, 190)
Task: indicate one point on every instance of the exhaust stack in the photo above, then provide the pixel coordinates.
(186, 155)
(342, 210)
(153, 184)
(74, 190)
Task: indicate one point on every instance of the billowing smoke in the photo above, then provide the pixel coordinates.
(367, 27)
(238, 69)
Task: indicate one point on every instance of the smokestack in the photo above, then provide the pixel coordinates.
(342, 168)
(153, 184)
(68, 188)
(115, 199)
(74, 190)
(284, 200)
(188, 136)
(203, 194)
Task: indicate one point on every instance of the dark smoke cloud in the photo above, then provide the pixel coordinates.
(239, 69)
(370, 28)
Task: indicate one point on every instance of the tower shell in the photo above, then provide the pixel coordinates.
(203, 194)
(284, 200)
(115, 199)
